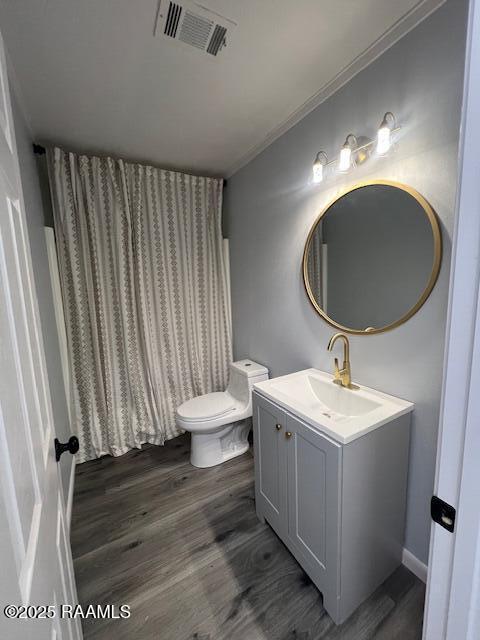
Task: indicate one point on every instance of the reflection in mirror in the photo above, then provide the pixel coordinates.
(372, 257)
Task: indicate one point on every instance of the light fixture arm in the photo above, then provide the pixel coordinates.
(321, 159)
(388, 121)
(351, 141)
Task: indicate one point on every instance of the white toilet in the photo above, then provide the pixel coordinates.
(220, 422)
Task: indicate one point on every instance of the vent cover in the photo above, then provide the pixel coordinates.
(217, 40)
(195, 30)
(194, 25)
(173, 18)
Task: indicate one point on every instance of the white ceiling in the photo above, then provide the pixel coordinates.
(93, 78)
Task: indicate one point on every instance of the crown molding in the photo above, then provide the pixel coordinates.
(399, 29)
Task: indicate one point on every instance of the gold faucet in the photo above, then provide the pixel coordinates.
(343, 376)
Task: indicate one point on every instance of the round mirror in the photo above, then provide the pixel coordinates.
(372, 257)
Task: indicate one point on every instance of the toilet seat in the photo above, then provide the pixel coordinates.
(207, 407)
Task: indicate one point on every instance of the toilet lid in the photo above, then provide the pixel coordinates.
(207, 407)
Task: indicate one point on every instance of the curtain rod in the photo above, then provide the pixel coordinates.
(38, 150)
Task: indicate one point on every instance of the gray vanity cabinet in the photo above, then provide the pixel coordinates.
(338, 508)
(312, 479)
(271, 464)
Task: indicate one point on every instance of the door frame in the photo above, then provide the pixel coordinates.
(452, 608)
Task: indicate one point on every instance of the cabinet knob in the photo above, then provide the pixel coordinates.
(288, 434)
(278, 427)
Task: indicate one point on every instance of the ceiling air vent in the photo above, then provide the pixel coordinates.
(173, 18)
(194, 25)
(195, 30)
(217, 40)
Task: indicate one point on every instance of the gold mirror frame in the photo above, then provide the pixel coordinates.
(437, 259)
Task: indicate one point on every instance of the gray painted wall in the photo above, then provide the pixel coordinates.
(35, 213)
(270, 205)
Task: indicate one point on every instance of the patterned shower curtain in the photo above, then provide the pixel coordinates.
(145, 296)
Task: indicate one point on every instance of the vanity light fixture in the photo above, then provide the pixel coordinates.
(384, 135)
(349, 146)
(352, 154)
(320, 162)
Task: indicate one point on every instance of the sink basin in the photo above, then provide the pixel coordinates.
(336, 401)
(344, 414)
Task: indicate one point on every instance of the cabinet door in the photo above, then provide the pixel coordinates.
(270, 463)
(314, 462)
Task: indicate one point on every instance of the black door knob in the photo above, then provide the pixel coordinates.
(72, 445)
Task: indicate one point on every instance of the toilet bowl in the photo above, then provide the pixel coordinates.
(220, 422)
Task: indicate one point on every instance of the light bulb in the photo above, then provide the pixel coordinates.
(345, 158)
(384, 135)
(384, 141)
(317, 172)
(320, 162)
(345, 161)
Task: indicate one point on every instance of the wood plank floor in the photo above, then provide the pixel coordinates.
(183, 547)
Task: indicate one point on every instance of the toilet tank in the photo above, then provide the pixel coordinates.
(243, 375)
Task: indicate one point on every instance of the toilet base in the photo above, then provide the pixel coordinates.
(211, 449)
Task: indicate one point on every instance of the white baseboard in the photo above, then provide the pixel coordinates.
(415, 565)
(71, 486)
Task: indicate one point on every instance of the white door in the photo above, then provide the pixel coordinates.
(452, 609)
(35, 558)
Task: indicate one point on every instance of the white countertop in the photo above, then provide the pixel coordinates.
(342, 414)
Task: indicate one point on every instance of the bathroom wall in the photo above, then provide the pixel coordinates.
(270, 205)
(35, 214)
